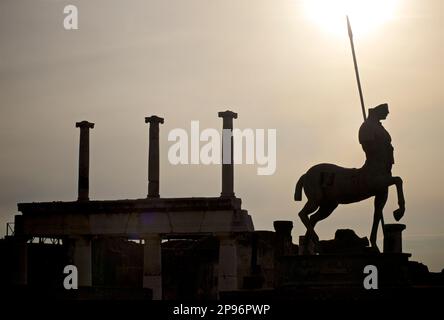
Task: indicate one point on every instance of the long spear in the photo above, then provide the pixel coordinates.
(350, 35)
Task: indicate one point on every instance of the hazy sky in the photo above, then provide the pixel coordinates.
(188, 59)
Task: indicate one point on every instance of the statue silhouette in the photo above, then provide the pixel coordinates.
(328, 185)
(376, 141)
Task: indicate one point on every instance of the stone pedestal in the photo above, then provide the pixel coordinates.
(306, 246)
(152, 265)
(393, 237)
(284, 245)
(227, 278)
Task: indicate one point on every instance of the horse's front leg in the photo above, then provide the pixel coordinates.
(398, 213)
(380, 200)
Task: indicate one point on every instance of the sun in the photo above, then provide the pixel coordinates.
(365, 15)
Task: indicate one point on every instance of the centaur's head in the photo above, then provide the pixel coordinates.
(379, 112)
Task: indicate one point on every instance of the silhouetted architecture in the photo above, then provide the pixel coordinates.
(153, 156)
(84, 159)
(227, 153)
(201, 248)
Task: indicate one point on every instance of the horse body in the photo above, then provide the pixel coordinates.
(328, 185)
(331, 183)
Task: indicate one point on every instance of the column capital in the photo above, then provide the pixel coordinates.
(154, 119)
(84, 124)
(227, 114)
(394, 227)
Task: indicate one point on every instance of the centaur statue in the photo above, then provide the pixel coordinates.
(328, 185)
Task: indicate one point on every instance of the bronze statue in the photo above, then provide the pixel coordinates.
(327, 185)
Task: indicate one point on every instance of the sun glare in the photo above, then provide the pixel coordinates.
(365, 15)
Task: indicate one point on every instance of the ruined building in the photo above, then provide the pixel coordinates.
(202, 248)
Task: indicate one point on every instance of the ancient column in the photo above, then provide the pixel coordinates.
(306, 246)
(393, 238)
(20, 256)
(283, 244)
(227, 153)
(227, 278)
(152, 265)
(153, 156)
(84, 159)
(81, 255)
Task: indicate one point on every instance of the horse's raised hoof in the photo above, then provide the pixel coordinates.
(398, 213)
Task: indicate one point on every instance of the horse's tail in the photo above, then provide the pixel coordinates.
(298, 189)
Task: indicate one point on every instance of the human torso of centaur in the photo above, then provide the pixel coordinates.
(377, 145)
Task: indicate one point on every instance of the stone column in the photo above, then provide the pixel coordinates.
(20, 262)
(227, 153)
(393, 238)
(82, 259)
(153, 156)
(152, 265)
(306, 246)
(84, 159)
(284, 243)
(227, 278)
(20, 273)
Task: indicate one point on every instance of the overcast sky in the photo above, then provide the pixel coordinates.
(188, 59)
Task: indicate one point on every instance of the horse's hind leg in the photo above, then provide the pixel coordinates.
(324, 211)
(380, 200)
(309, 208)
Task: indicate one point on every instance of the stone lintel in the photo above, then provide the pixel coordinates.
(131, 206)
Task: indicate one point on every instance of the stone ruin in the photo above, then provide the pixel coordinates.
(200, 248)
